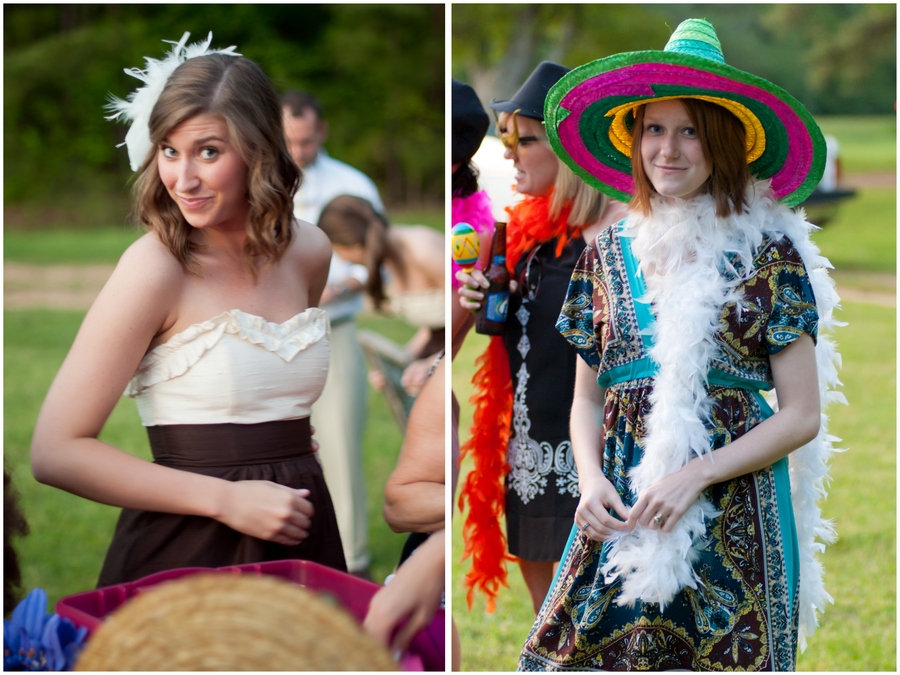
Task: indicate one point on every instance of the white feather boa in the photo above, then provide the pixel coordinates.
(681, 248)
(137, 108)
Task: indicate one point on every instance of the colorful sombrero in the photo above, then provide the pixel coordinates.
(589, 112)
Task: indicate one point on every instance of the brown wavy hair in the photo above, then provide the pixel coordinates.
(237, 90)
(723, 140)
(353, 221)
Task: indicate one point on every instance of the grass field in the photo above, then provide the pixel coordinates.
(868, 143)
(863, 236)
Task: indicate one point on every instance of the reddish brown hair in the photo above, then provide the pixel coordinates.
(723, 139)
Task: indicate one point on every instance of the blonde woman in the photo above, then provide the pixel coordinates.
(525, 384)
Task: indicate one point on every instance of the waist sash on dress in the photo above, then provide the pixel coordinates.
(193, 447)
(146, 542)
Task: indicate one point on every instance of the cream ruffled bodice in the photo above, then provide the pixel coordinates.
(234, 368)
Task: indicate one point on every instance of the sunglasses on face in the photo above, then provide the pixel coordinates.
(510, 138)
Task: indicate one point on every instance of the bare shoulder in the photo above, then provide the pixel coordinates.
(148, 277)
(150, 259)
(426, 248)
(423, 235)
(311, 248)
(311, 245)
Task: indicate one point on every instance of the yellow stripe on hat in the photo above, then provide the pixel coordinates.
(756, 135)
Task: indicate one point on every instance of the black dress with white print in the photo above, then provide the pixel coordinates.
(542, 484)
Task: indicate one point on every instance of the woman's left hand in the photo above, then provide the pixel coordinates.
(413, 596)
(669, 498)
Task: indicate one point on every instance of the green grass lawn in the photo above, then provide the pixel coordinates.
(60, 245)
(863, 236)
(69, 534)
(867, 142)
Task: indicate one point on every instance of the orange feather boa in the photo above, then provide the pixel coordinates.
(484, 540)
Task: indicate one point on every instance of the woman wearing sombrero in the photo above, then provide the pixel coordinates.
(709, 293)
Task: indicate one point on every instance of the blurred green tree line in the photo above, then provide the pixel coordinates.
(378, 70)
(838, 59)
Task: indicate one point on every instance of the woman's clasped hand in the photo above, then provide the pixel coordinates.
(267, 510)
(659, 508)
(598, 507)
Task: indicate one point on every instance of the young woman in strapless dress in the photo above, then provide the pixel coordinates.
(210, 322)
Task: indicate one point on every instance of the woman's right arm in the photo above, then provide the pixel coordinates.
(136, 304)
(586, 432)
(414, 494)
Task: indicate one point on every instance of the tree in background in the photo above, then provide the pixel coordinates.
(837, 59)
(495, 47)
(378, 69)
(849, 53)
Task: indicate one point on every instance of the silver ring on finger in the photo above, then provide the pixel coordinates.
(658, 519)
(585, 527)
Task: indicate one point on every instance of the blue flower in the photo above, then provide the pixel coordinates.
(36, 641)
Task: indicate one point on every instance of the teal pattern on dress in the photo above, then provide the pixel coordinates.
(744, 615)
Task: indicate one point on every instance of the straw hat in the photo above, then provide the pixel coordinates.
(590, 111)
(232, 623)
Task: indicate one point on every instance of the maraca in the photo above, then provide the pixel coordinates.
(466, 246)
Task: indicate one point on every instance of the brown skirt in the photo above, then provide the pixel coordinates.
(146, 542)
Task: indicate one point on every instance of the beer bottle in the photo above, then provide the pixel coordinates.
(491, 318)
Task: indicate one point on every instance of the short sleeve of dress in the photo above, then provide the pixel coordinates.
(580, 313)
(793, 303)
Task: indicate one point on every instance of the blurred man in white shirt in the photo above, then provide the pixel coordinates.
(340, 413)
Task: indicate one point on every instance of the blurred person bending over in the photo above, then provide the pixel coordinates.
(340, 413)
(405, 266)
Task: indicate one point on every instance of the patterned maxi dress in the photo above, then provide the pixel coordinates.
(743, 614)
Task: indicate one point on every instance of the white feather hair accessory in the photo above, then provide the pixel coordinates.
(137, 108)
